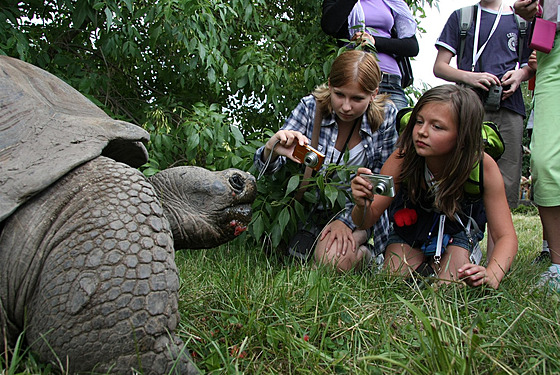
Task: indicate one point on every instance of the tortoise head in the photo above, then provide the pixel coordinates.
(205, 209)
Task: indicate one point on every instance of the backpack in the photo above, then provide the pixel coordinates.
(466, 17)
(493, 146)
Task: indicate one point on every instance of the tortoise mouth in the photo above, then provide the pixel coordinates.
(242, 213)
(239, 217)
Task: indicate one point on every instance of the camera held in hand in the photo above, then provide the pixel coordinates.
(309, 156)
(382, 185)
(493, 98)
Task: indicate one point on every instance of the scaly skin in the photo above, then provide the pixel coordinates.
(215, 207)
(87, 269)
(86, 252)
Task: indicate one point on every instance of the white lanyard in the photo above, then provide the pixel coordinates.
(476, 51)
(476, 254)
(431, 181)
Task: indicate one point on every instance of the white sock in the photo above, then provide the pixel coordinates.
(545, 246)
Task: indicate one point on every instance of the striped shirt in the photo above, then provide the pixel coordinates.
(377, 146)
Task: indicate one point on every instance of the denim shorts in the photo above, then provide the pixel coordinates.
(391, 85)
(459, 239)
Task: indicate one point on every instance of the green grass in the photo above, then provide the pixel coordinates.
(247, 311)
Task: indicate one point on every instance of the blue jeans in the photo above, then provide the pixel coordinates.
(391, 84)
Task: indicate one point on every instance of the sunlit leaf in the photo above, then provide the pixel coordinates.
(293, 184)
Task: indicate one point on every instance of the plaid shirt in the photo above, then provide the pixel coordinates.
(377, 145)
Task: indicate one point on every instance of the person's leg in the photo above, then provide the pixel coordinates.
(402, 259)
(453, 258)
(545, 157)
(510, 125)
(395, 91)
(347, 262)
(550, 219)
(544, 255)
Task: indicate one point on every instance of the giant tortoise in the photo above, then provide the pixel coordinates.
(87, 271)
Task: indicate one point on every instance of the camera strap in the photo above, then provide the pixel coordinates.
(316, 132)
(356, 122)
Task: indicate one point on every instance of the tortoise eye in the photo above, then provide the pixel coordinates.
(237, 183)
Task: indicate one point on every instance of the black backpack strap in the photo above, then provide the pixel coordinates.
(522, 26)
(466, 16)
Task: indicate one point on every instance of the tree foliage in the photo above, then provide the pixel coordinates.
(254, 58)
(210, 79)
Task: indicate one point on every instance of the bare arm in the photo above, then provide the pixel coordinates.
(443, 70)
(368, 210)
(500, 225)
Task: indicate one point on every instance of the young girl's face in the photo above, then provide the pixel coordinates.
(350, 101)
(435, 131)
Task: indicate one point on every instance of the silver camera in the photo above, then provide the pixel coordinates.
(382, 185)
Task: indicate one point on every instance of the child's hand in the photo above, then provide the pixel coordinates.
(481, 80)
(526, 8)
(475, 275)
(533, 60)
(362, 190)
(339, 239)
(510, 82)
(364, 39)
(283, 143)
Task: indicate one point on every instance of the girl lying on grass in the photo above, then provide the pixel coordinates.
(435, 222)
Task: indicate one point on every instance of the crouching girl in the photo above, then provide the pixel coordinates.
(435, 221)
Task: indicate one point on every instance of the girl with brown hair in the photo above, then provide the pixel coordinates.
(435, 221)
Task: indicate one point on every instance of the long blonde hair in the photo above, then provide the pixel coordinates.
(468, 114)
(355, 66)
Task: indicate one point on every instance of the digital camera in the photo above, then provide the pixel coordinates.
(382, 185)
(309, 156)
(493, 98)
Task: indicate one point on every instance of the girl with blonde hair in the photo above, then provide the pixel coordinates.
(356, 120)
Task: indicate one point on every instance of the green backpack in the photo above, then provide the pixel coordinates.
(493, 146)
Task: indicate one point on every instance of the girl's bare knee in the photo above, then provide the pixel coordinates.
(401, 259)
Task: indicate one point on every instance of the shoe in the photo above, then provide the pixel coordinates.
(425, 270)
(550, 279)
(302, 245)
(543, 257)
(421, 276)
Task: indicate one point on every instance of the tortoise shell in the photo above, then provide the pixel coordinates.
(48, 128)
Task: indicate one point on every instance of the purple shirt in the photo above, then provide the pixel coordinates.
(378, 16)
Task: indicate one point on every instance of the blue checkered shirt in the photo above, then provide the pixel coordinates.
(377, 145)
